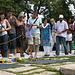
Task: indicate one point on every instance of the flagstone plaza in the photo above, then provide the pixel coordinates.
(66, 67)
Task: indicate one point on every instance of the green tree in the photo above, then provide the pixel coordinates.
(47, 8)
(52, 8)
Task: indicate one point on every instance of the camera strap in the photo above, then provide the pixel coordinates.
(1, 26)
(34, 22)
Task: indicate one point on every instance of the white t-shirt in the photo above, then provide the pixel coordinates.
(61, 26)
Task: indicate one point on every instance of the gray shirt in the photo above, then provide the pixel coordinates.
(13, 26)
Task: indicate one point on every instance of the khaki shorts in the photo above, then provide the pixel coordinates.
(34, 39)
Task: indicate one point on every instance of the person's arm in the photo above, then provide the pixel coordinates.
(15, 20)
(23, 23)
(55, 30)
(10, 18)
(63, 31)
(54, 33)
(41, 32)
(39, 26)
(72, 27)
(29, 25)
(65, 28)
(49, 34)
(9, 26)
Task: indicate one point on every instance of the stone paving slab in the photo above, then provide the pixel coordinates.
(5, 66)
(27, 65)
(37, 70)
(6, 73)
(45, 73)
(20, 69)
(68, 69)
(60, 66)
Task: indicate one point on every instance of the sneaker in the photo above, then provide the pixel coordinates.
(56, 55)
(14, 56)
(35, 57)
(30, 57)
(46, 55)
(6, 59)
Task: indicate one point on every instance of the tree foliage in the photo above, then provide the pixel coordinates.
(47, 8)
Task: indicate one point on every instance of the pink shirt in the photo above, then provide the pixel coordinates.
(61, 26)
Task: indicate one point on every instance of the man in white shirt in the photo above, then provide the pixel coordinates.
(61, 28)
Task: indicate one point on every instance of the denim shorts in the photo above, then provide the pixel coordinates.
(4, 47)
(11, 37)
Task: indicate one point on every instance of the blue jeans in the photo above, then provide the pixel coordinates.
(4, 47)
(63, 40)
(12, 36)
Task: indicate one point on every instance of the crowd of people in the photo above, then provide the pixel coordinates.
(14, 31)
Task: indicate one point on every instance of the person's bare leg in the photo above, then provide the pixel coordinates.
(36, 50)
(20, 51)
(31, 49)
(27, 50)
(8, 52)
(14, 51)
(70, 44)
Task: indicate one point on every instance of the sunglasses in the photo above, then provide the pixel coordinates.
(21, 17)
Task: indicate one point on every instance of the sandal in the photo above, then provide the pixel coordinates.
(35, 57)
(56, 55)
(30, 57)
(27, 53)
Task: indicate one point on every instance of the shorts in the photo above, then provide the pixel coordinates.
(34, 39)
(69, 37)
(11, 37)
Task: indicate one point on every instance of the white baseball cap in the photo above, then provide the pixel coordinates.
(61, 16)
(52, 19)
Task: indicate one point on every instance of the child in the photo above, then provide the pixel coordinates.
(27, 37)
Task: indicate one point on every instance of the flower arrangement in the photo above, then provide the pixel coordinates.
(17, 59)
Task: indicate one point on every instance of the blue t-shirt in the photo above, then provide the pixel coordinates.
(34, 29)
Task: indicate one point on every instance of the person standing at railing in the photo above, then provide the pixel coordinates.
(45, 37)
(35, 23)
(4, 27)
(12, 33)
(20, 31)
(69, 34)
(61, 30)
(53, 40)
(27, 29)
